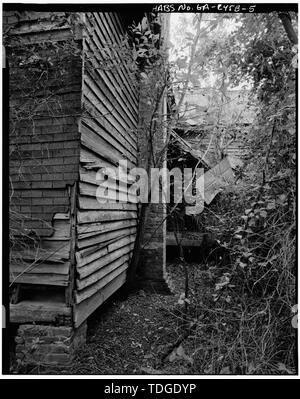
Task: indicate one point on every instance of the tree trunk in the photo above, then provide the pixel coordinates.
(288, 27)
(137, 247)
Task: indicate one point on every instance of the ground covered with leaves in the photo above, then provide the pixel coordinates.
(150, 333)
(136, 335)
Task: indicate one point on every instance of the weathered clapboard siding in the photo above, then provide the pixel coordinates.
(105, 231)
(105, 236)
(90, 273)
(86, 256)
(123, 143)
(48, 263)
(111, 89)
(84, 246)
(91, 190)
(102, 216)
(44, 148)
(106, 149)
(105, 30)
(105, 276)
(92, 204)
(90, 161)
(103, 270)
(109, 77)
(92, 303)
(88, 175)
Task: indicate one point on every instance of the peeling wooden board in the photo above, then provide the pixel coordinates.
(84, 217)
(98, 145)
(90, 254)
(36, 27)
(95, 252)
(90, 190)
(88, 286)
(93, 204)
(41, 255)
(85, 308)
(122, 242)
(29, 312)
(97, 228)
(94, 162)
(89, 157)
(105, 237)
(46, 36)
(40, 279)
(61, 229)
(96, 265)
(37, 268)
(61, 216)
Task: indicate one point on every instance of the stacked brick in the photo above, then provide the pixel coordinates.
(48, 345)
(152, 269)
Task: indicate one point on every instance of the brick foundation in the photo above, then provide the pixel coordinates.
(46, 345)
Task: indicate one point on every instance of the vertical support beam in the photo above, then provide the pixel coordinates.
(70, 288)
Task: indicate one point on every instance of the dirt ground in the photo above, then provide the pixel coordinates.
(150, 334)
(132, 336)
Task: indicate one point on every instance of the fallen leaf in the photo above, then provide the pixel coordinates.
(180, 351)
(172, 357)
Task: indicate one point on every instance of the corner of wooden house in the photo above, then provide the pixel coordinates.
(72, 112)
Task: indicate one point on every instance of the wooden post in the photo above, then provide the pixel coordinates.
(70, 288)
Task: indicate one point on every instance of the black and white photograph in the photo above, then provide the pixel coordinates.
(149, 191)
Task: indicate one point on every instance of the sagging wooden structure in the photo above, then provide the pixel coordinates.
(74, 108)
